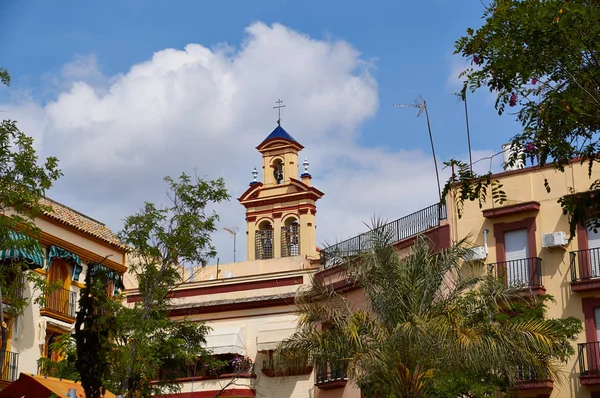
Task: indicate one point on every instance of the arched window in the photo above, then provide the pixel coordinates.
(278, 171)
(290, 238)
(264, 241)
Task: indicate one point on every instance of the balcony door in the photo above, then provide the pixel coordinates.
(594, 255)
(59, 299)
(516, 245)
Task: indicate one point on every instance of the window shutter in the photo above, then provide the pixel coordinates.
(516, 244)
(593, 238)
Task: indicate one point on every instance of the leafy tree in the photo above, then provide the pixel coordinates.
(162, 240)
(23, 182)
(138, 350)
(542, 59)
(425, 322)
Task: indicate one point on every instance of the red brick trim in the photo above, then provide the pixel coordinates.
(511, 210)
(226, 288)
(439, 236)
(582, 237)
(585, 286)
(501, 228)
(234, 392)
(591, 380)
(278, 302)
(282, 209)
(223, 376)
(547, 385)
(587, 306)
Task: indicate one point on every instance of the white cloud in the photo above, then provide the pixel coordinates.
(206, 109)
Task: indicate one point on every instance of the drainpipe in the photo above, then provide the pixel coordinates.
(485, 245)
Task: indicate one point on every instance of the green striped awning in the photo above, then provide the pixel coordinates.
(53, 252)
(112, 275)
(22, 251)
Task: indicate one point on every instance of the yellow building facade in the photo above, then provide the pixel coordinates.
(70, 242)
(526, 242)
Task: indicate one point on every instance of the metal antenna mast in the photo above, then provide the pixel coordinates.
(233, 231)
(421, 105)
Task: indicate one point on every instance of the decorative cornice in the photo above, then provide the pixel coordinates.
(86, 255)
(511, 210)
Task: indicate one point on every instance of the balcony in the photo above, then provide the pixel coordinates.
(61, 305)
(399, 230)
(529, 380)
(525, 273)
(331, 376)
(588, 356)
(585, 270)
(10, 367)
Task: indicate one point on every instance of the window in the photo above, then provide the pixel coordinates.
(264, 241)
(516, 247)
(278, 171)
(290, 238)
(60, 299)
(593, 239)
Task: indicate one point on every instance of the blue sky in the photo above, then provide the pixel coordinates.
(406, 48)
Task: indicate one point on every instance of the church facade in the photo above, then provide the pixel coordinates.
(249, 305)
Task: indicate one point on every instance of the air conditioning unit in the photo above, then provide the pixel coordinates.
(476, 253)
(554, 239)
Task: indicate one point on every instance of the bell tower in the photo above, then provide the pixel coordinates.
(280, 210)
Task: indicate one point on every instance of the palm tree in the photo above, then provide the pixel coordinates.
(422, 319)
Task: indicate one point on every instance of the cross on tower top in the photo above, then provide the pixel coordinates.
(278, 107)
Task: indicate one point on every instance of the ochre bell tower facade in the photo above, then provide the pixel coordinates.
(281, 210)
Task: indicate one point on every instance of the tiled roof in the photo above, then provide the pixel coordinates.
(81, 222)
(279, 132)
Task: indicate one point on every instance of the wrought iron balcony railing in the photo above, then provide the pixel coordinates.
(525, 272)
(333, 373)
(400, 229)
(10, 367)
(585, 264)
(62, 301)
(588, 356)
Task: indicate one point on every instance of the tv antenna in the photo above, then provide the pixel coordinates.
(233, 231)
(421, 105)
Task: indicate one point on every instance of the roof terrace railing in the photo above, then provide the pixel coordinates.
(400, 229)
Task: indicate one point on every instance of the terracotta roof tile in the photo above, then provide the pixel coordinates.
(81, 222)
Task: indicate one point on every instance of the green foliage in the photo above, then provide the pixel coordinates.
(66, 348)
(95, 329)
(162, 240)
(23, 182)
(542, 59)
(425, 323)
(4, 77)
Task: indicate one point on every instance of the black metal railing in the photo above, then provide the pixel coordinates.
(332, 372)
(588, 356)
(585, 264)
(10, 367)
(397, 230)
(62, 301)
(528, 374)
(525, 272)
